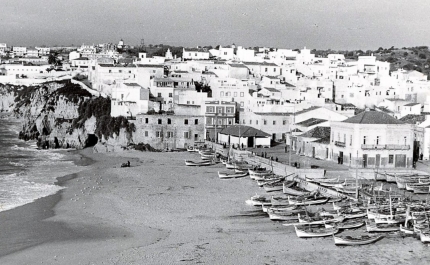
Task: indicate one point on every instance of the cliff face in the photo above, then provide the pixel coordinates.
(50, 114)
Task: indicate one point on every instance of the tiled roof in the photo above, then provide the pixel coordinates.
(238, 65)
(263, 63)
(413, 119)
(307, 110)
(271, 89)
(411, 104)
(273, 113)
(373, 117)
(289, 85)
(245, 131)
(317, 132)
(131, 84)
(150, 66)
(310, 122)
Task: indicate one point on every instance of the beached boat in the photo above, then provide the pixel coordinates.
(425, 237)
(372, 227)
(273, 179)
(274, 186)
(235, 164)
(322, 180)
(406, 230)
(392, 219)
(354, 241)
(208, 156)
(206, 151)
(354, 214)
(294, 191)
(285, 215)
(305, 232)
(258, 200)
(259, 172)
(411, 186)
(307, 201)
(349, 224)
(422, 190)
(198, 163)
(230, 175)
(192, 149)
(319, 220)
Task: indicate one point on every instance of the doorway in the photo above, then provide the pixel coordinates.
(365, 160)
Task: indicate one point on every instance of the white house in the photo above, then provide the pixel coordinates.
(129, 99)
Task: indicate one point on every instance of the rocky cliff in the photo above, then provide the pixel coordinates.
(62, 115)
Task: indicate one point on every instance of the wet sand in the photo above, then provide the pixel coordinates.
(159, 211)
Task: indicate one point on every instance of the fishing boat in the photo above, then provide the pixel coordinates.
(349, 224)
(206, 151)
(198, 163)
(354, 214)
(319, 220)
(406, 230)
(281, 208)
(354, 241)
(303, 232)
(258, 200)
(392, 219)
(372, 227)
(235, 164)
(192, 149)
(307, 201)
(323, 180)
(273, 179)
(285, 215)
(411, 186)
(208, 156)
(425, 236)
(259, 172)
(274, 186)
(229, 175)
(422, 190)
(294, 191)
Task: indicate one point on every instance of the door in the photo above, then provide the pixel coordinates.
(313, 152)
(250, 141)
(378, 160)
(400, 161)
(326, 153)
(341, 158)
(365, 160)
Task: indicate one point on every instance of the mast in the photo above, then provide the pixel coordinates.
(356, 178)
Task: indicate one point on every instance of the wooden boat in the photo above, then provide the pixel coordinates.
(392, 219)
(206, 151)
(372, 227)
(192, 149)
(282, 208)
(354, 214)
(422, 190)
(354, 241)
(294, 191)
(208, 156)
(229, 175)
(349, 224)
(198, 163)
(258, 200)
(411, 186)
(274, 186)
(285, 215)
(295, 201)
(303, 232)
(323, 180)
(425, 236)
(319, 220)
(346, 189)
(234, 164)
(258, 172)
(273, 179)
(406, 230)
(264, 177)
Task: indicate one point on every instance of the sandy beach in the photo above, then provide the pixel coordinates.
(159, 211)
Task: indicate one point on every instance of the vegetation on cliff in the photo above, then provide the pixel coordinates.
(106, 125)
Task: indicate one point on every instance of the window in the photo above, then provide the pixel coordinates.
(110, 71)
(364, 139)
(157, 134)
(169, 134)
(284, 122)
(160, 121)
(265, 69)
(377, 140)
(241, 104)
(170, 95)
(146, 133)
(186, 121)
(390, 159)
(169, 121)
(159, 95)
(274, 122)
(265, 122)
(256, 122)
(241, 94)
(120, 71)
(405, 139)
(250, 122)
(274, 69)
(196, 121)
(186, 135)
(146, 120)
(344, 138)
(235, 94)
(221, 94)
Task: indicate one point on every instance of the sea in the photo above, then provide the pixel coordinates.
(27, 173)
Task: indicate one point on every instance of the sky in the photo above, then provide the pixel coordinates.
(316, 24)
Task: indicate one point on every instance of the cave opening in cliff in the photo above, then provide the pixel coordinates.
(91, 140)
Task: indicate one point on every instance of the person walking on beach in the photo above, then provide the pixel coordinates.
(128, 163)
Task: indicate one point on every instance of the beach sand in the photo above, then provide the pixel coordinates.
(159, 211)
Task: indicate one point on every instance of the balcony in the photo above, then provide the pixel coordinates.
(385, 147)
(219, 126)
(340, 144)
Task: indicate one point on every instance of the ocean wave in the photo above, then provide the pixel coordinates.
(16, 164)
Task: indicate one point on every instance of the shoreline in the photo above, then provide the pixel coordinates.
(160, 212)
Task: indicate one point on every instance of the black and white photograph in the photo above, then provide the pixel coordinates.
(267, 132)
